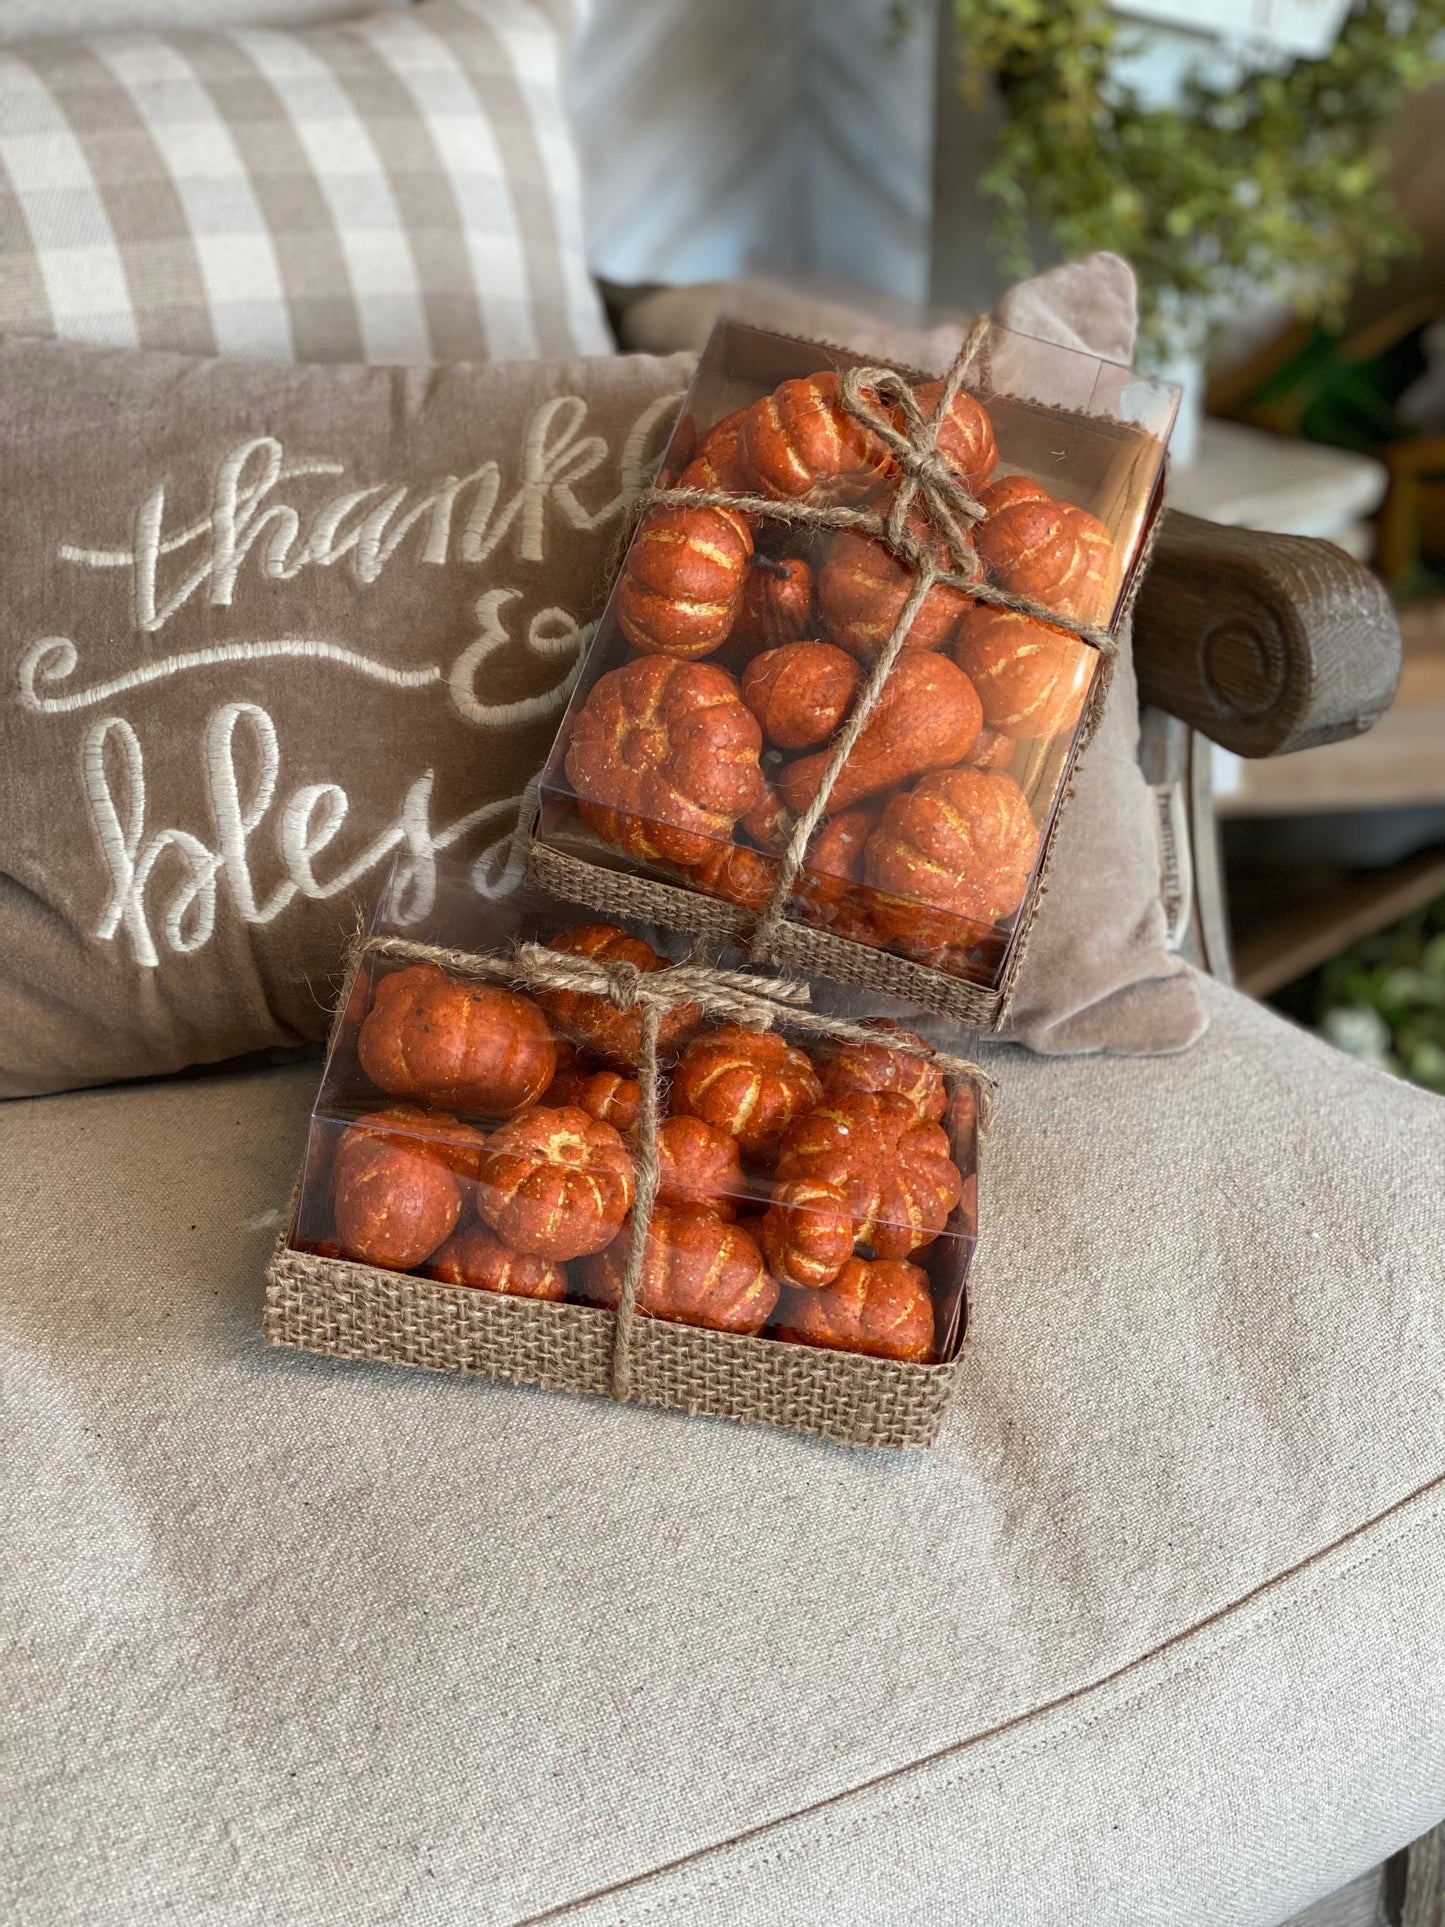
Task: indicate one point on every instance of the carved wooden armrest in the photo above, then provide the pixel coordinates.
(1265, 643)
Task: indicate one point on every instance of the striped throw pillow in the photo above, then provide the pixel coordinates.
(400, 188)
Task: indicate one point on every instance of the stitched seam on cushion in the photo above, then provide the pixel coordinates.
(1241, 1620)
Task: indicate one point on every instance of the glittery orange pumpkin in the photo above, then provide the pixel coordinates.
(776, 606)
(737, 875)
(395, 1202)
(862, 590)
(751, 1084)
(698, 1168)
(605, 1095)
(806, 1233)
(832, 881)
(682, 579)
(769, 822)
(965, 435)
(697, 1269)
(716, 462)
(1009, 489)
(961, 840)
(664, 758)
(892, 1168)
(926, 718)
(473, 1047)
(1031, 680)
(801, 692)
(800, 442)
(555, 1183)
(852, 1066)
(433, 1134)
(992, 749)
(1053, 553)
(594, 1019)
(883, 1308)
(477, 1258)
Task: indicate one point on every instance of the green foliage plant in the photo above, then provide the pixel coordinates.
(1256, 180)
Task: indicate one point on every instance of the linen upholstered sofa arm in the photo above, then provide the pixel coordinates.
(1264, 643)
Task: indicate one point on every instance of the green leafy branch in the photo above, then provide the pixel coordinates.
(1271, 180)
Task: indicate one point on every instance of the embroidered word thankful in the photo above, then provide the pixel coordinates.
(367, 525)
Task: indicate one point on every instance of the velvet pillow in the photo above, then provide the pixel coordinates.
(264, 627)
(1098, 974)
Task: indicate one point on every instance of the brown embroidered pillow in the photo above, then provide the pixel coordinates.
(265, 626)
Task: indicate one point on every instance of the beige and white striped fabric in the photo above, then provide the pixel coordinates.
(400, 188)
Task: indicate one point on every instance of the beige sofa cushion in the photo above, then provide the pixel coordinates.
(1155, 1635)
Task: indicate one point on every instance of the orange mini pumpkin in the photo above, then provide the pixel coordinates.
(595, 1019)
(892, 1168)
(1052, 552)
(555, 1183)
(751, 1084)
(395, 1201)
(861, 593)
(697, 1269)
(807, 1233)
(682, 580)
(476, 1257)
(992, 749)
(432, 1134)
(769, 822)
(664, 758)
(1009, 489)
(468, 1046)
(926, 718)
(800, 442)
(606, 1095)
(698, 1168)
(1031, 680)
(716, 462)
(832, 881)
(883, 1308)
(801, 692)
(961, 840)
(737, 875)
(880, 1067)
(965, 435)
(776, 606)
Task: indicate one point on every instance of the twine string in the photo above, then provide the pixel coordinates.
(645, 1197)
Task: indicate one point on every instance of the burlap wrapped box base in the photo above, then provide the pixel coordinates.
(346, 1310)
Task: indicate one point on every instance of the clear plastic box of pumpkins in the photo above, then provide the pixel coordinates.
(483, 1134)
(734, 646)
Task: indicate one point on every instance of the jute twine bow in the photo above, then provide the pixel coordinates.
(873, 396)
(757, 1002)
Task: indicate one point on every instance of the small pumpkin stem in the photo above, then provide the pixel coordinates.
(778, 570)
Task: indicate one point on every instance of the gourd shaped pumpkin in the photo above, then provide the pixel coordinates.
(698, 1168)
(800, 443)
(594, 1019)
(883, 1308)
(1051, 552)
(965, 435)
(801, 692)
(864, 585)
(397, 1197)
(664, 758)
(606, 1095)
(1031, 680)
(806, 1232)
(891, 1167)
(682, 581)
(751, 1084)
(696, 1270)
(776, 606)
(851, 1066)
(962, 841)
(476, 1257)
(473, 1047)
(555, 1183)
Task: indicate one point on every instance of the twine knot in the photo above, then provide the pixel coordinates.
(623, 979)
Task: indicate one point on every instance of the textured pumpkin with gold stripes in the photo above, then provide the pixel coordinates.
(476, 1257)
(799, 443)
(682, 580)
(555, 1183)
(445, 1041)
(883, 1308)
(696, 1270)
(962, 841)
(595, 1020)
(1031, 680)
(806, 1232)
(751, 1084)
(892, 1168)
(1051, 552)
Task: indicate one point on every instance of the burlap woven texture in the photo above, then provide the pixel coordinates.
(1152, 1638)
